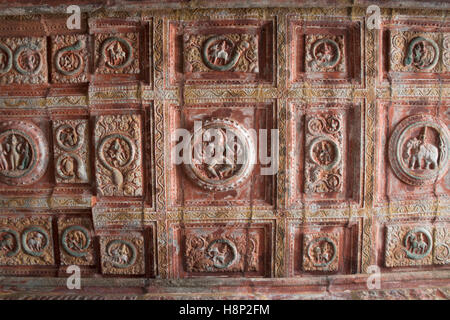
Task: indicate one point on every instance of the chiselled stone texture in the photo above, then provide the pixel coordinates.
(336, 161)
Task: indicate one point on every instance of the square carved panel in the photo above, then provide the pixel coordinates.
(23, 60)
(234, 178)
(216, 249)
(26, 241)
(417, 51)
(220, 52)
(70, 60)
(322, 247)
(76, 240)
(413, 153)
(324, 52)
(417, 244)
(122, 254)
(324, 171)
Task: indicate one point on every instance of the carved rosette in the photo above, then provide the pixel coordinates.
(323, 158)
(222, 155)
(71, 151)
(117, 53)
(122, 254)
(76, 241)
(69, 58)
(23, 60)
(228, 52)
(23, 153)
(408, 246)
(26, 241)
(119, 155)
(419, 150)
(415, 52)
(321, 252)
(325, 53)
(226, 253)
(441, 250)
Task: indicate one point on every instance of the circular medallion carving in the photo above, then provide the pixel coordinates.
(326, 53)
(34, 241)
(68, 61)
(442, 252)
(422, 53)
(122, 253)
(321, 251)
(222, 155)
(222, 252)
(116, 52)
(75, 241)
(6, 58)
(23, 153)
(116, 151)
(324, 152)
(221, 54)
(417, 243)
(69, 138)
(418, 150)
(27, 59)
(9, 242)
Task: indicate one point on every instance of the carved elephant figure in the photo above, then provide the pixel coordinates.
(420, 152)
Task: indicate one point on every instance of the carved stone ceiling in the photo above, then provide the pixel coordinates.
(339, 121)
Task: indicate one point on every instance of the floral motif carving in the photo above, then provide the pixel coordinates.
(227, 170)
(26, 241)
(71, 151)
(23, 60)
(321, 252)
(418, 150)
(323, 159)
(76, 241)
(228, 253)
(23, 153)
(119, 155)
(70, 59)
(325, 53)
(230, 52)
(122, 255)
(117, 53)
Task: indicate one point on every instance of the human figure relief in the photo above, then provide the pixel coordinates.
(117, 154)
(219, 53)
(3, 161)
(76, 240)
(7, 242)
(326, 54)
(14, 155)
(417, 244)
(423, 56)
(421, 154)
(116, 54)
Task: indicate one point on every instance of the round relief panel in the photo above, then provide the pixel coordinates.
(222, 155)
(418, 150)
(23, 153)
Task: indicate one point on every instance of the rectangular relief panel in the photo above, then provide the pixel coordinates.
(26, 241)
(233, 176)
(71, 151)
(416, 51)
(325, 154)
(118, 158)
(413, 157)
(414, 243)
(217, 249)
(220, 52)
